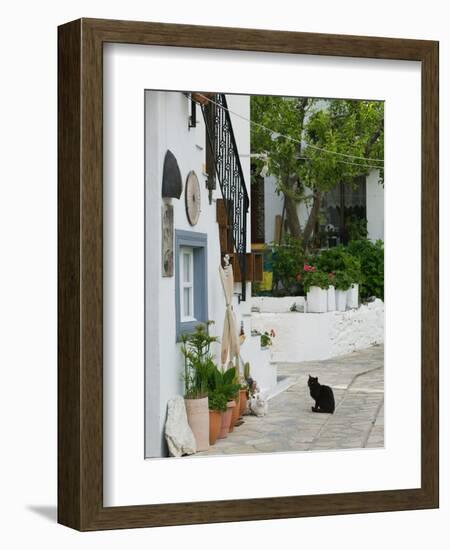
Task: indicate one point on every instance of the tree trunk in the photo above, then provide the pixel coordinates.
(313, 215)
(292, 219)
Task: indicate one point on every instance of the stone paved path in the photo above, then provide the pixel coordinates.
(358, 385)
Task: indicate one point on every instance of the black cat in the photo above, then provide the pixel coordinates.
(322, 395)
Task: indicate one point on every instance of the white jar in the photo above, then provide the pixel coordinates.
(352, 296)
(317, 300)
(341, 300)
(331, 298)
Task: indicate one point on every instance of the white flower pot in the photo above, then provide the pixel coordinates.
(341, 300)
(317, 300)
(331, 298)
(352, 296)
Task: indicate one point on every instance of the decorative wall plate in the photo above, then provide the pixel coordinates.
(192, 198)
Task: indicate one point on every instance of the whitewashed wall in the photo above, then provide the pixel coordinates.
(273, 206)
(167, 115)
(319, 336)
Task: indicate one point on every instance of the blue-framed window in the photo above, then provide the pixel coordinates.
(191, 280)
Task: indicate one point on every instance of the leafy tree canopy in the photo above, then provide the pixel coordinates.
(304, 171)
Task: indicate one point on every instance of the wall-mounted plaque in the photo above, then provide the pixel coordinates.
(167, 240)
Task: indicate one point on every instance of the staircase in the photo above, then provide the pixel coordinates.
(232, 184)
(261, 367)
(231, 214)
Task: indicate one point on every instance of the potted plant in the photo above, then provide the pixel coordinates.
(198, 363)
(217, 406)
(244, 389)
(353, 268)
(371, 258)
(353, 296)
(342, 282)
(339, 259)
(316, 285)
(235, 411)
(266, 339)
(223, 381)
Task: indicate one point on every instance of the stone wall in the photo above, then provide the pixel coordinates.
(268, 304)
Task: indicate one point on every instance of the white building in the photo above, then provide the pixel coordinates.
(186, 236)
(367, 199)
(177, 299)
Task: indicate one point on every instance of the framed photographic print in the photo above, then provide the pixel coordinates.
(248, 274)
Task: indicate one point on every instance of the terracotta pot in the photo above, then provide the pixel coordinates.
(198, 419)
(226, 420)
(215, 422)
(234, 414)
(242, 402)
(202, 97)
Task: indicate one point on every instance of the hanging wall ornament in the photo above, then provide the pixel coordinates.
(172, 186)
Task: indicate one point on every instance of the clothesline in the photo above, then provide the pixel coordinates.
(290, 138)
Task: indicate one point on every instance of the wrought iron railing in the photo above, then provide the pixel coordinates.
(230, 175)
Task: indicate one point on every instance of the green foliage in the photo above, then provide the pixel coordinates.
(224, 382)
(217, 401)
(315, 278)
(198, 361)
(300, 165)
(287, 264)
(342, 280)
(361, 261)
(266, 340)
(346, 127)
(356, 228)
(371, 258)
(338, 258)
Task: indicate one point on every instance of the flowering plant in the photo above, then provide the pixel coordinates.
(338, 259)
(266, 338)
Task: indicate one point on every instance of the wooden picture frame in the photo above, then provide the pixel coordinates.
(80, 272)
